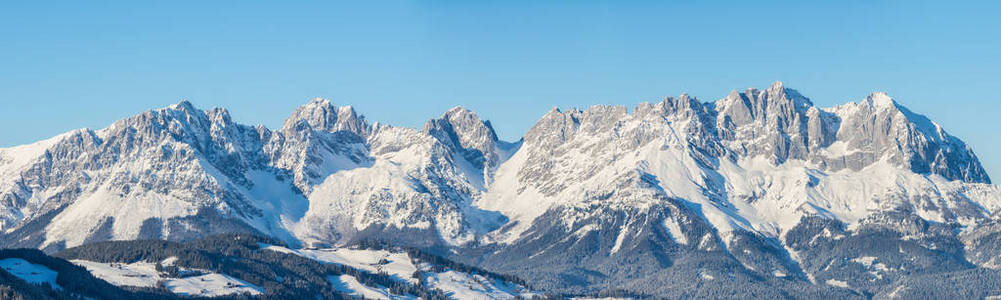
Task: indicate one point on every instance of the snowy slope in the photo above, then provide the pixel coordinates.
(166, 171)
(418, 180)
(350, 285)
(571, 156)
(398, 265)
(29, 272)
(458, 285)
(401, 266)
(15, 195)
(144, 274)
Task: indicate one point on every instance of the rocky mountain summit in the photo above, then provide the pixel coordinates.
(760, 191)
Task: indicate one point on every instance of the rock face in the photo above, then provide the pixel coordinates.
(781, 124)
(321, 115)
(161, 174)
(156, 174)
(760, 188)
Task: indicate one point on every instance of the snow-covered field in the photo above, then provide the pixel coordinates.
(144, 274)
(398, 265)
(212, 284)
(457, 285)
(460, 285)
(32, 273)
(837, 283)
(350, 285)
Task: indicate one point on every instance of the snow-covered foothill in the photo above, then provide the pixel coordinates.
(396, 264)
(144, 274)
(457, 285)
(350, 285)
(30, 272)
(460, 285)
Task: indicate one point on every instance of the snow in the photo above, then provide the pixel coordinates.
(14, 161)
(16, 158)
(871, 262)
(29, 272)
(748, 193)
(620, 238)
(838, 149)
(521, 208)
(389, 191)
(837, 283)
(897, 290)
(90, 211)
(881, 99)
(140, 274)
(679, 175)
(282, 206)
(459, 285)
(169, 261)
(144, 274)
(398, 265)
(350, 285)
(211, 285)
(675, 229)
(783, 194)
(705, 275)
(865, 260)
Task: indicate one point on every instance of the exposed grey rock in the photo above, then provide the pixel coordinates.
(648, 201)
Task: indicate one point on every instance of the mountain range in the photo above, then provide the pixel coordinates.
(760, 192)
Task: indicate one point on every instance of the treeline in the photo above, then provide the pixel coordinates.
(967, 284)
(288, 276)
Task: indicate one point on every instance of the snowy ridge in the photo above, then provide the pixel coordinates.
(755, 161)
(174, 167)
(679, 176)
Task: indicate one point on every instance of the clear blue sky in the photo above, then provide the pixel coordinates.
(75, 64)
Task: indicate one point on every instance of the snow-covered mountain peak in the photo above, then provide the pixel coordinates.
(321, 115)
(319, 101)
(715, 148)
(182, 105)
(874, 103)
(878, 127)
(880, 99)
(777, 85)
(779, 91)
(683, 104)
(474, 139)
(457, 110)
(777, 103)
(470, 128)
(555, 126)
